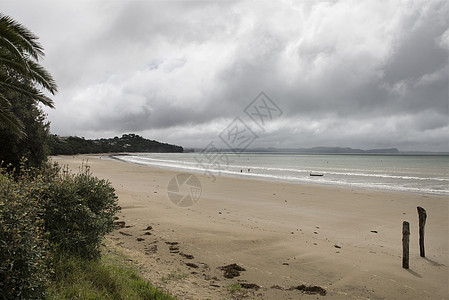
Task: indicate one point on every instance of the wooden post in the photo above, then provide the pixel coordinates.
(422, 223)
(405, 244)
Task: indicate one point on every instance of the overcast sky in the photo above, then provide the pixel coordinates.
(361, 74)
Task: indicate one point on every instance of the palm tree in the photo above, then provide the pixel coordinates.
(20, 72)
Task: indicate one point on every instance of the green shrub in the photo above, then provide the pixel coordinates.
(79, 211)
(46, 211)
(23, 255)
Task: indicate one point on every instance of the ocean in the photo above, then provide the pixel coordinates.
(428, 174)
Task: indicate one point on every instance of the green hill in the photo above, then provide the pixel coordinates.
(127, 143)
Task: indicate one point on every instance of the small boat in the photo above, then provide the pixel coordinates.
(316, 174)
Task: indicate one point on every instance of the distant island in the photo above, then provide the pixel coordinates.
(127, 143)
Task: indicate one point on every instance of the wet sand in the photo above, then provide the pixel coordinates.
(345, 241)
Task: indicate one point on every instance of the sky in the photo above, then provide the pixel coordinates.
(291, 74)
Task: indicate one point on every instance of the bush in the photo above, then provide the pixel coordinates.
(45, 211)
(23, 255)
(79, 211)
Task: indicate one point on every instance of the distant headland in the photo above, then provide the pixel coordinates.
(126, 143)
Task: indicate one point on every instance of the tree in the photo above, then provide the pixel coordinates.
(33, 145)
(20, 72)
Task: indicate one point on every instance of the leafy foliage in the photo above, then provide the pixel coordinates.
(46, 211)
(23, 244)
(33, 145)
(127, 143)
(79, 211)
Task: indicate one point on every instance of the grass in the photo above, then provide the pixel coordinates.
(235, 287)
(174, 275)
(110, 277)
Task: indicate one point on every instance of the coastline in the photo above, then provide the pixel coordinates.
(328, 178)
(346, 240)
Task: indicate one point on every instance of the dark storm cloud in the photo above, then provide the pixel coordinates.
(362, 74)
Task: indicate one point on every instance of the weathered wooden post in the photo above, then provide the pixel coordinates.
(422, 223)
(405, 244)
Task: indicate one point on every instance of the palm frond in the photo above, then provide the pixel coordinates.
(29, 91)
(21, 36)
(43, 77)
(11, 65)
(12, 49)
(20, 72)
(8, 119)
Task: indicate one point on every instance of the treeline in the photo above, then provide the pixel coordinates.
(127, 143)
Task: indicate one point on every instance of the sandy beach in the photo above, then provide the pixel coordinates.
(346, 241)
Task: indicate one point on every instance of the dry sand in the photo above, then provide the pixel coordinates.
(347, 241)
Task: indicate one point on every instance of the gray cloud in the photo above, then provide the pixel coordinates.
(360, 74)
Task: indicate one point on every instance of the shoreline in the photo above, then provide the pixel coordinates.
(274, 179)
(345, 240)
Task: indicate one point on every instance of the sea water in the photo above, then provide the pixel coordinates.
(410, 173)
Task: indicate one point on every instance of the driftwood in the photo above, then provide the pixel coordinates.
(405, 244)
(422, 223)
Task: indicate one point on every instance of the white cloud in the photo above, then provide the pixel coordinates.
(346, 73)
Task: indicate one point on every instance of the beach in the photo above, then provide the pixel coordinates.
(345, 240)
